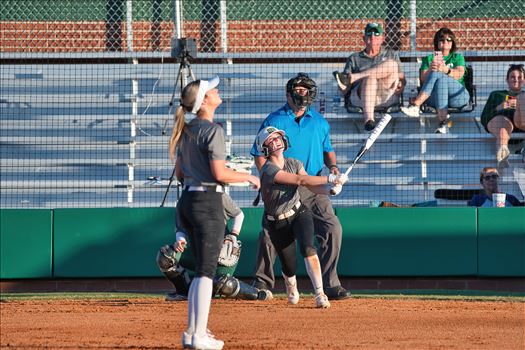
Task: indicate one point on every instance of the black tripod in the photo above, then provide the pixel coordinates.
(183, 74)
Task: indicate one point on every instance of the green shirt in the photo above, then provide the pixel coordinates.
(452, 60)
(494, 100)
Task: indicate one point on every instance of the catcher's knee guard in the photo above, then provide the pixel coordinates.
(231, 287)
(169, 266)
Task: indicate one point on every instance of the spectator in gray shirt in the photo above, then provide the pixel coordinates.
(373, 77)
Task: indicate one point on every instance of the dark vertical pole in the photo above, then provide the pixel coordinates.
(394, 16)
(156, 20)
(209, 17)
(114, 14)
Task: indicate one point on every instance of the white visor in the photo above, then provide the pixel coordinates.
(204, 87)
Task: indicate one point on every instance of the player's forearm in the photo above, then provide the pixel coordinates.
(330, 159)
(237, 223)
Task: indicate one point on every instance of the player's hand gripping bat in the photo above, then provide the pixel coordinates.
(369, 142)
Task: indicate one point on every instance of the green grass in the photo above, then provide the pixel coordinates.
(361, 294)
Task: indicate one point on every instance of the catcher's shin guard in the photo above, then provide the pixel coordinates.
(231, 287)
(168, 262)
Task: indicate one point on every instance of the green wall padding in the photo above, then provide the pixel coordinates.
(249, 234)
(501, 241)
(117, 242)
(25, 243)
(408, 241)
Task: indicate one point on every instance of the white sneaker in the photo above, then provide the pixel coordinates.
(208, 342)
(291, 291)
(411, 111)
(443, 126)
(186, 340)
(502, 156)
(321, 301)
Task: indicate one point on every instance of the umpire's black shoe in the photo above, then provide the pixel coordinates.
(264, 293)
(370, 125)
(337, 293)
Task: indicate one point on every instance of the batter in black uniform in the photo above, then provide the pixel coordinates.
(200, 158)
(286, 219)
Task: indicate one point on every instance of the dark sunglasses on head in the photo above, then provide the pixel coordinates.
(446, 39)
(491, 177)
(373, 34)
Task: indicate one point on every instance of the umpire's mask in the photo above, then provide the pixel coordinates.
(302, 80)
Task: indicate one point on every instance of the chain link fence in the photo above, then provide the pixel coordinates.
(88, 88)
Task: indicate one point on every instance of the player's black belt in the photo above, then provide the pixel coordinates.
(215, 188)
(286, 215)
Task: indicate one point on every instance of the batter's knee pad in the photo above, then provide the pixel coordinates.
(308, 251)
(168, 263)
(231, 287)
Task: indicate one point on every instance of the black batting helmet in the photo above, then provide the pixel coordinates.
(302, 80)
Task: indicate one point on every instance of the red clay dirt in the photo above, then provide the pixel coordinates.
(356, 323)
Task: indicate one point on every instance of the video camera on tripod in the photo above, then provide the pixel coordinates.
(183, 48)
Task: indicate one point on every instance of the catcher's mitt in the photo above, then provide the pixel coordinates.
(230, 251)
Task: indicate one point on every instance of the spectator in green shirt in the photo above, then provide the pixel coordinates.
(499, 113)
(442, 78)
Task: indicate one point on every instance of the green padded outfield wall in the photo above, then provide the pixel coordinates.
(26, 237)
(501, 241)
(116, 242)
(408, 241)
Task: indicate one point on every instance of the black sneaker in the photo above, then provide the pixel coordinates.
(337, 293)
(174, 296)
(341, 79)
(370, 125)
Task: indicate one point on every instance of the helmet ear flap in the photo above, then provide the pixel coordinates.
(266, 151)
(286, 142)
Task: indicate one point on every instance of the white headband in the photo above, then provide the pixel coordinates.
(204, 87)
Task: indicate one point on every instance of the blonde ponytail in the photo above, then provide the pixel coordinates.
(187, 99)
(178, 129)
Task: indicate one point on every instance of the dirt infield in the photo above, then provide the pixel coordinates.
(357, 323)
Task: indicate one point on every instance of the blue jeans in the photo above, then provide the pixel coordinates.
(444, 91)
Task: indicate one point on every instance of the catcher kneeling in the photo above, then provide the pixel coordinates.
(176, 262)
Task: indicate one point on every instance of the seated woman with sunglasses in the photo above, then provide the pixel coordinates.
(499, 117)
(442, 75)
(488, 178)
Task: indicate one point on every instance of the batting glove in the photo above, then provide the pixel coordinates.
(339, 179)
(342, 179)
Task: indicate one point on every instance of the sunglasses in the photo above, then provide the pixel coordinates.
(491, 177)
(449, 40)
(373, 34)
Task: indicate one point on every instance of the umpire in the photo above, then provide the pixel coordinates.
(201, 157)
(309, 141)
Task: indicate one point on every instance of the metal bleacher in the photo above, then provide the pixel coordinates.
(70, 145)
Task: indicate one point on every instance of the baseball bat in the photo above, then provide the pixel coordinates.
(369, 142)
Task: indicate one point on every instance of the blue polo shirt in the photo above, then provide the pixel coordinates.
(309, 139)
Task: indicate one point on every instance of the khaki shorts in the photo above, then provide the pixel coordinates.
(385, 96)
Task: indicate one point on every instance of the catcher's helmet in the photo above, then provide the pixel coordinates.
(263, 135)
(302, 80)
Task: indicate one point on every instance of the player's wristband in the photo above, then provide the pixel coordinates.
(333, 166)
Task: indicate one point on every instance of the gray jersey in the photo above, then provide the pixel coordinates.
(360, 61)
(231, 209)
(279, 199)
(203, 142)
